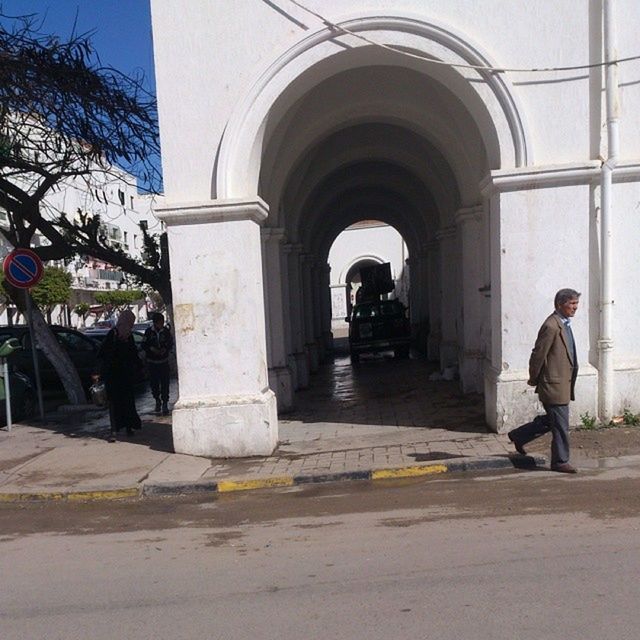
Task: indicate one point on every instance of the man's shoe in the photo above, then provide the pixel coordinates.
(158, 407)
(564, 467)
(165, 409)
(519, 448)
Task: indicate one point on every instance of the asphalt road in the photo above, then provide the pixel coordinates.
(517, 555)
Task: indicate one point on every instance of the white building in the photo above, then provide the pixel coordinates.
(281, 127)
(364, 244)
(116, 199)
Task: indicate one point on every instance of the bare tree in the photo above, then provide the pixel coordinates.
(64, 116)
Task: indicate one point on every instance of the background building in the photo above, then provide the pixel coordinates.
(122, 209)
(285, 123)
(364, 244)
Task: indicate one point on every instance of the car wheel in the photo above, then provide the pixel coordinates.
(401, 353)
(355, 358)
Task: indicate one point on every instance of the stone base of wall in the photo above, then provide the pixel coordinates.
(510, 401)
(281, 383)
(226, 427)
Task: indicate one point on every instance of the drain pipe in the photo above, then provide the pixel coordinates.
(605, 342)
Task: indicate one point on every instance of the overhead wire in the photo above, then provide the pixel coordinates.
(336, 27)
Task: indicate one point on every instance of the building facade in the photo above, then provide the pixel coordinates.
(122, 209)
(283, 123)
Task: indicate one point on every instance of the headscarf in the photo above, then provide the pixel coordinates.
(125, 323)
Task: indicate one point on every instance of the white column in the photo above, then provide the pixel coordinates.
(316, 283)
(280, 379)
(327, 314)
(287, 313)
(435, 296)
(310, 346)
(421, 273)
(292, 251)
(449, 297)
(225, 408)
(470, 232)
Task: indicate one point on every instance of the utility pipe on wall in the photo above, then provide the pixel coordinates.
(605, 342)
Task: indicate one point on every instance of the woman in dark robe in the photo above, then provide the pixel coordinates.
(119, 362)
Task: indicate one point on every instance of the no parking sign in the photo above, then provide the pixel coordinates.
(23, 268)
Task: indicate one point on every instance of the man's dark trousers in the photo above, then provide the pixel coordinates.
(555, 420)
(159, 380)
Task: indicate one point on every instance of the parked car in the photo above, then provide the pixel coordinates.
(23, 397)
(380, 325)
(81, 349)
(100, 334)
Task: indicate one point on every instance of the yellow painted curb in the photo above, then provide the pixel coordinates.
(244, 485)
(19, 497)
(408, 472)
(109, 494)
(78, 496)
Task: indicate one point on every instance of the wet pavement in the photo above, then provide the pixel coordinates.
(383, 418)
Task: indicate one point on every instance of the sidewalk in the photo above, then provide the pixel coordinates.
(327, 440)
(351, 425)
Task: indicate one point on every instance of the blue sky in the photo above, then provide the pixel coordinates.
(122, 36)
(122, 29)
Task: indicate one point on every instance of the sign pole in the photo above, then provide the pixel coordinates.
(34, 351)
(7, 392)
(23, 269)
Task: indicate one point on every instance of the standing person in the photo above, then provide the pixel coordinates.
(553, 369)
(157, 345)
(119, 363)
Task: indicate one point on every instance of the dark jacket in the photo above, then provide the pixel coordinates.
(551, 367)
(118, 359)
(157, 345)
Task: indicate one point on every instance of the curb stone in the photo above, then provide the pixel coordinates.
(413, 471)
(167, 489)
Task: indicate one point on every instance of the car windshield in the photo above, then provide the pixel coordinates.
(368, 310)
(390, 308)
(376, 309)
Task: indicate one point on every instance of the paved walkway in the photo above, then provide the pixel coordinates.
(386, 418)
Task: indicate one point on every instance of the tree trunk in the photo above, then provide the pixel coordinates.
(51, 348)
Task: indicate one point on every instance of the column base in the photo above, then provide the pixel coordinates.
(471, 378)
(227, 426)
(281, 383)
(448, 354)
(293, 369)
(312, 351)
(433, 347)
(510, 401)
(302, 366)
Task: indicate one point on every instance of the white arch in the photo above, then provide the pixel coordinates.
(343, 274)
(238, 165)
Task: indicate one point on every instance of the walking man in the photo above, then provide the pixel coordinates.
(158, 344)
(553, 369)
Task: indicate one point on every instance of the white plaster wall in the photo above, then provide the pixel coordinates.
(544, 247)
(626, 274)
(382, 242)
(208, 54)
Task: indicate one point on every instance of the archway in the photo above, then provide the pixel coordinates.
(336, 131)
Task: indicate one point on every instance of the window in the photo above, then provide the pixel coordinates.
(121, 196)
(74, 342)
(144, 225)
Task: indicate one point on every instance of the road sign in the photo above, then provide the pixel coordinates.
(23, 268)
